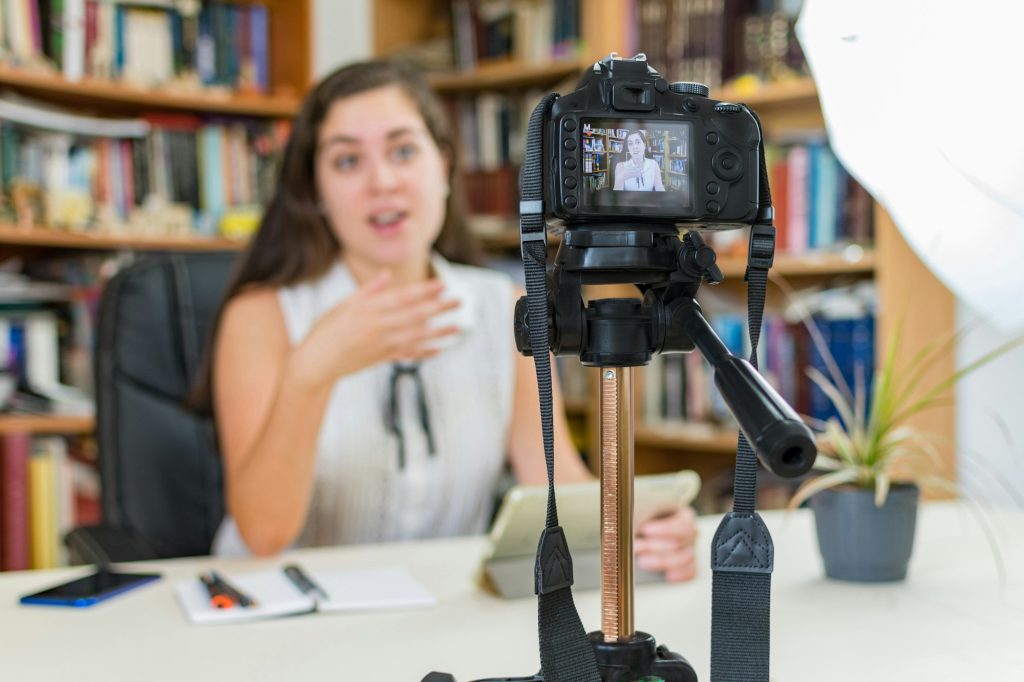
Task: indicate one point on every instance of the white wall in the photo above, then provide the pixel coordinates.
(342, 32)
(990, 414)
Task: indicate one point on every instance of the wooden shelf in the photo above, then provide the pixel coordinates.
(102, 241)
(685, 436)
(90, 91)
(806, 265)
(797, 92)
(41, 424)
(503, 76)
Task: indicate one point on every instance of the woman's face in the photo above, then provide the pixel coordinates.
(381, 178)
(635, 144)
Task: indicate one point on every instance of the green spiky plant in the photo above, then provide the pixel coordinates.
(873, 448)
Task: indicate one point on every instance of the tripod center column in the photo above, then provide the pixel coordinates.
(617, 503)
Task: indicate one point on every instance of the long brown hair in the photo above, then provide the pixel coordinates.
(294, 241)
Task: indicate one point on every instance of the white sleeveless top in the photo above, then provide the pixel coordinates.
(360, 491)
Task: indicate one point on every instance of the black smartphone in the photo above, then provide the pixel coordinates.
(90, 590)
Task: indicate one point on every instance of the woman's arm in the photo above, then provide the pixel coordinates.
(267, 421)
(620, 180)
(525, 442)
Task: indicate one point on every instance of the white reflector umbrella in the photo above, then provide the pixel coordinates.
(924, 104)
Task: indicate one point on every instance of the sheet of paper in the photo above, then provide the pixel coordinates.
(360, 590)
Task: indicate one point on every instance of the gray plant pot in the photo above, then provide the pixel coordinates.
(861, 542)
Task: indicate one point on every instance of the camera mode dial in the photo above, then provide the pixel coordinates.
(690, 88)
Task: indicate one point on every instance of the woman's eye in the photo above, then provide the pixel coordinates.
(345, 161)
(405, 152)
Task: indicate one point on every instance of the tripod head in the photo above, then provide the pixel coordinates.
(626, 332)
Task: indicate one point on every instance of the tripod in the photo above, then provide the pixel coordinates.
(616, 335)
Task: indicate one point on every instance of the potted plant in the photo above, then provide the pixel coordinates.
(865, 504)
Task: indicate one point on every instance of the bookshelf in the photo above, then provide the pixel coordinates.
(287, 71)
(40, 425)
(504, 75)
(114, 96)
(906, 290)
(45, 237)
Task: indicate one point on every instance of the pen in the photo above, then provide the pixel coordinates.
(241, 598)
(303, 581)
(219, 599)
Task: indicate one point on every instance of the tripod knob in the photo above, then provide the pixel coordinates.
(699, 260)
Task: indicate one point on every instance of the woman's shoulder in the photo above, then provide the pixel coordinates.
(254, 301)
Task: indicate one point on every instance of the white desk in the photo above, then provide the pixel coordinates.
(949, 621)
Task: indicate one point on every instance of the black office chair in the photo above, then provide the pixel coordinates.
(160, 471)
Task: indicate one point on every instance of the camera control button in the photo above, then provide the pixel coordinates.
(690, 104)
(728, 108)
(570, 182)
(712, 206)
(690, 88)
(569, 144)
(570, 163)
(661, 85)
(711, 138)
(569, 124)
(727, 164)
(570, 201)
(712, 188)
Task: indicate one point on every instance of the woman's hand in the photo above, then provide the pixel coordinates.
(630, 170)
(378, 323)
(666, 544)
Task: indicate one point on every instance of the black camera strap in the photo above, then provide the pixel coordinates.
(742, 553)
(566, 654)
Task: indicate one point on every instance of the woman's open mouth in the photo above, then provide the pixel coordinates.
(388, 222)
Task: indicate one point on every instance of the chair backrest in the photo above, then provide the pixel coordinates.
(160, 469)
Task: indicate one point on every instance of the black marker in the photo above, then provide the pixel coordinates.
(303, 581)
(241, 598)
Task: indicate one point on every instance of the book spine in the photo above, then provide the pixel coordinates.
(42, 521)
(73, 52)
(16, 545)
(260, 46)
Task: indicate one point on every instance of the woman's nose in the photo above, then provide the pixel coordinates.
(383, 176)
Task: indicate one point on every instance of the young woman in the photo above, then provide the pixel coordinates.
(365, 386)
(639, 172)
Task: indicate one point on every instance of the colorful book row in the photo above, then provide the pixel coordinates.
(45, 491)
(177, 174)
(150, 43)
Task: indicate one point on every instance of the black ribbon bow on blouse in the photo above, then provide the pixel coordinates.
(392, 416)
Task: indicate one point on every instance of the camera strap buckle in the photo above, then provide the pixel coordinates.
(761, 249)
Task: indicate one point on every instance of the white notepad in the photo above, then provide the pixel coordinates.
(276, 595)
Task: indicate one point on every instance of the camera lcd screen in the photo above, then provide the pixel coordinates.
(636, 163)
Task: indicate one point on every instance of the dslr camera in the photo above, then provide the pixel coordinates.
(628, 145)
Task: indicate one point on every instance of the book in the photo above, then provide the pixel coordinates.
(14, 496)
(42, 481)
(275, 595)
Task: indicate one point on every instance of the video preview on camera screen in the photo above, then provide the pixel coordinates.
(626, 160)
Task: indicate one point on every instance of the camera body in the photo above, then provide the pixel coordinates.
(629, 146)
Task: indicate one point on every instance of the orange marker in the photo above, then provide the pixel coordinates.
(219, 599)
